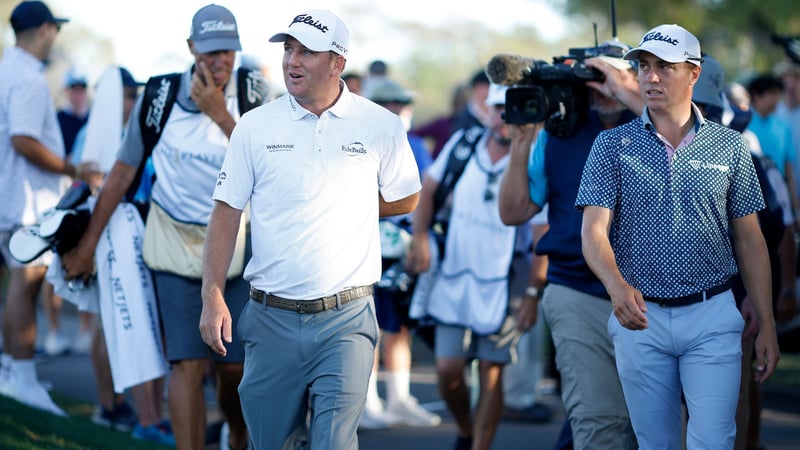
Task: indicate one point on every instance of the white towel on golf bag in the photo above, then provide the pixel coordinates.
(86, 298)
(127, 301)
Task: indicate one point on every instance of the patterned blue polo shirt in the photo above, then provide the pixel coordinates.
(670, 217)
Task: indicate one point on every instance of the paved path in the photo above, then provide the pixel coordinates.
(73, 376)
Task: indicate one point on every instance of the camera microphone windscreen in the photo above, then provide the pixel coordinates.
(508, 69)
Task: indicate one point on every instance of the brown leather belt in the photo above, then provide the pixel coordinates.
(311, 306)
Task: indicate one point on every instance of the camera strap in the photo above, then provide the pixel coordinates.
(456, 163)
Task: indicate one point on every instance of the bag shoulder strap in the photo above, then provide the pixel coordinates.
(158, 99)
(456, 163)
(251, 89)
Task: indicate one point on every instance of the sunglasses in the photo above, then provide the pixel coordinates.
(491, 180)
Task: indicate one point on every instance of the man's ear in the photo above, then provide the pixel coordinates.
(338, 64)
(695, 73)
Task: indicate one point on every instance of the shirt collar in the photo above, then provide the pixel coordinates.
(699, 120)
(339, 109)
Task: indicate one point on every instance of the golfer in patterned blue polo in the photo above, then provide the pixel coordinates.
(668, 188)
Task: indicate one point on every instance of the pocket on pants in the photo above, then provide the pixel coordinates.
(241, 323)
(734, 316)
(612, 325)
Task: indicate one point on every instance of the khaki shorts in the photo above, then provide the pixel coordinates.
(459, 342)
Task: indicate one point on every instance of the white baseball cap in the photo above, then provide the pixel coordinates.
(496, 95)
(671, 43)
(318, 30)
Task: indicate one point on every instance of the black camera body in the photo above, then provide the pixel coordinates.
(556, 93)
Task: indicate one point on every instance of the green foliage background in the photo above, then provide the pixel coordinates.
(735, 32)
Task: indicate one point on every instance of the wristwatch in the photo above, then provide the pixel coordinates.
(532, 291)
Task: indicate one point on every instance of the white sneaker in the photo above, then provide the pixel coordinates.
(33, 395)
(55, 344)
(408, 412)
(82, 343)
(373, 418)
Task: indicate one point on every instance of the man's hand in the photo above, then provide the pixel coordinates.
(621, 85)
(78, 263)
(629, 307)
(418, 259)
(205, 94)
(528, 313)
(525, 134)
(89, 171)
(210, 98)
(216, 324)
(767, 353)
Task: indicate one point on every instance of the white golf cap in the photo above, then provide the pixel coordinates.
(318, 30)
(671, 43)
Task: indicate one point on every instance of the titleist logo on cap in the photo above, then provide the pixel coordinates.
(318, 30)
(657, 36)
(309, 20)
(210, 26)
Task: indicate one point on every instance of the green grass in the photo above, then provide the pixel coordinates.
(25, 428)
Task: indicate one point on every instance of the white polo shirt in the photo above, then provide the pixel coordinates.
(187, 157)
(313, 184)
(26, 109)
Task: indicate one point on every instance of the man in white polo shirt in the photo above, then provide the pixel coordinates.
(319, 166)
(32, 161)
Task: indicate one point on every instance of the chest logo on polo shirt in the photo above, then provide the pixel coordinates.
(354, 149)
(697, 164)
(279, 147)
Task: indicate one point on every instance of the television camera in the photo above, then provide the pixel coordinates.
(554, 93)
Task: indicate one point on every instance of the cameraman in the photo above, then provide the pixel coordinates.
(575, 303)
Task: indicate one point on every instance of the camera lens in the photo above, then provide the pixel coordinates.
(533, 107)
(527, 104)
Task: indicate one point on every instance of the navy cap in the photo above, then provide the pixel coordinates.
(31, 15)
(127, 78)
